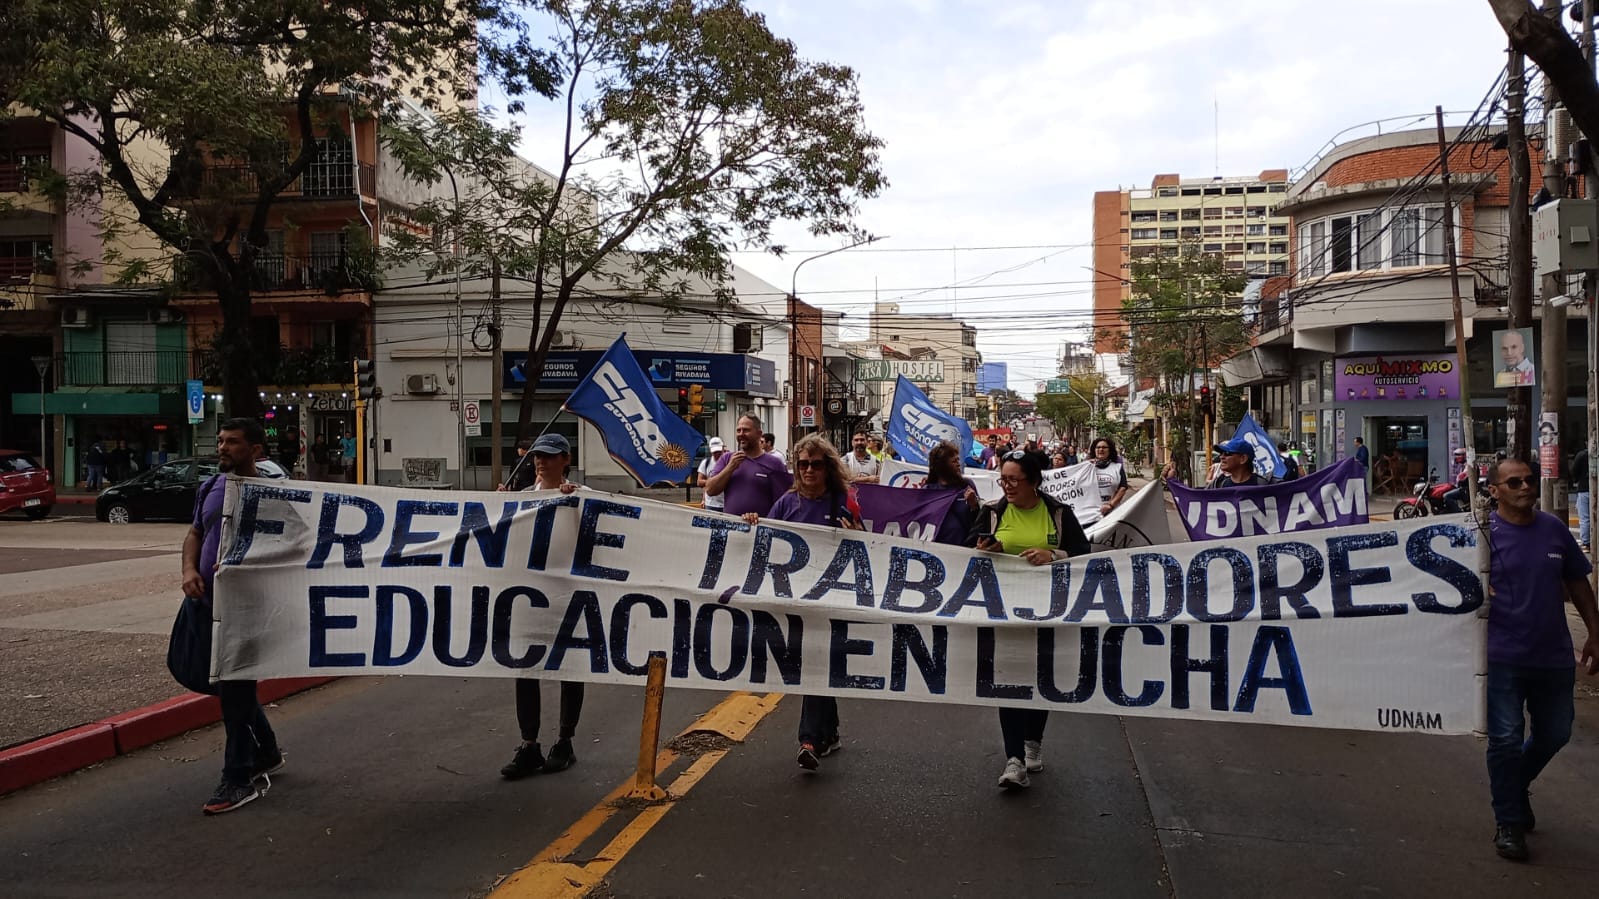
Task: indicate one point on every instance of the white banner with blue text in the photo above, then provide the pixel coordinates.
(1369, 627)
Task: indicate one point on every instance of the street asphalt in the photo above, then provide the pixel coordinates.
(392, 787)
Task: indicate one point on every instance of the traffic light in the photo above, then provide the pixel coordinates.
(366, 380)
(682, 401)
(1205, 401)
(696, 399)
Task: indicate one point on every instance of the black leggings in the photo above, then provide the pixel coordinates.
(528, 705)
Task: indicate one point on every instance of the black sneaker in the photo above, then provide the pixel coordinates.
(268, 764)
(561, 757)
(807, 757)
(529, 759)
(230, 796)
(829, 746)
(1529, 821)
(1510, 842)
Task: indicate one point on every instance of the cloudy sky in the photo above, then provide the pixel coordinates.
(1001, 119)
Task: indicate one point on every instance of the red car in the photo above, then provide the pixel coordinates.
(24, 485)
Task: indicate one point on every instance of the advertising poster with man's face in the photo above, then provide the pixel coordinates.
(1513, 359)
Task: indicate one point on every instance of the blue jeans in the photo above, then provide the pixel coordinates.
(1581, 499)
(1516, 695)
(96, 476)
(818, 724)
(250, 737)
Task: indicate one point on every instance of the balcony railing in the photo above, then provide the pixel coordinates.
(13, 178)
(18, 269)
(331, 273)
(135, 368)
(323, 180)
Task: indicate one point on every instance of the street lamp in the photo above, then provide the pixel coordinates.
(793, 295)
(42, 365)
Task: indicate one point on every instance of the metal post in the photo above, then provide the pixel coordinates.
(1460, 324)
(1588, 11)
(1518, 400)
(644, 786)
(42, 365)
(496, 429)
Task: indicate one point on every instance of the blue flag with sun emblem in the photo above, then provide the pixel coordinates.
(641, 434)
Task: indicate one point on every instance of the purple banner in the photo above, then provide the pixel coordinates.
(1330, 498)
(901, 512)
(1407, 377)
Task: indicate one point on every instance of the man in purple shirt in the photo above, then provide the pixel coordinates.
(750, 480)
(252, 750)
(1535, 568)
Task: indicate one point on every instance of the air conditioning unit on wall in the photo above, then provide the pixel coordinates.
(422, 385)
(165, 316)
(75, 317)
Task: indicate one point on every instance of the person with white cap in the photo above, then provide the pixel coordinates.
(552, 456)
(718, 450)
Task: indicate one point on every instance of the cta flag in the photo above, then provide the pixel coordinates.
(1331, 498)
(916, 425)
(652, 443)
(1268, 462)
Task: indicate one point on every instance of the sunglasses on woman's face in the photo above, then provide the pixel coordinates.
(802, 464)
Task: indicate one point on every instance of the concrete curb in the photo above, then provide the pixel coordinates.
(67, 751)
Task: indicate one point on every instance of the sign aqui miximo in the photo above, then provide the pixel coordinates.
(923, 370)
(1410, 377)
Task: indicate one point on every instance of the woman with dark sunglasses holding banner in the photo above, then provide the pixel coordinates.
(820, 496)
(1030, 524)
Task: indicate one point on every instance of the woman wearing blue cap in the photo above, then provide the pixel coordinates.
(552, 457)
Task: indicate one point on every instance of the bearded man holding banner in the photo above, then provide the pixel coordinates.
(1040, 529)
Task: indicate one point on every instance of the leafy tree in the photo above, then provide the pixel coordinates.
(204, 112)
(688, 130)
(1182, 317)
(1072, 412)
(1548, 44)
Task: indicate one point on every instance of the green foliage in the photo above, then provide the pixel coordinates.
(1070, 412)
(690, 131)
(175, 95)
(1183, 317)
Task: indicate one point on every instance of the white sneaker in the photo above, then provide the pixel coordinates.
(1035, 755)
(1015, 776)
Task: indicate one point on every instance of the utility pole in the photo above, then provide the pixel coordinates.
(1518, 400)
(1552, 370)
(1454, 295)
(1588, 294)
(496, 368)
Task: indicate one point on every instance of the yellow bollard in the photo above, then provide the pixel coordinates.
(644, 786)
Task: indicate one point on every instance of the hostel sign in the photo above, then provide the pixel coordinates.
(922, 370)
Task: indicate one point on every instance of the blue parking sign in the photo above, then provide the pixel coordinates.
(196, 402)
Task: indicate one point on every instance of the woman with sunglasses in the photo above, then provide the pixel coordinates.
(820, 496)
(1040, 529)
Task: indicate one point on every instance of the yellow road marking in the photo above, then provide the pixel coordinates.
(548, 877)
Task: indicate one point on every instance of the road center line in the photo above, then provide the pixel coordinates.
(548, 877)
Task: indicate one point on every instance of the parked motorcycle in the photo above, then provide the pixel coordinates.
(1428, 498)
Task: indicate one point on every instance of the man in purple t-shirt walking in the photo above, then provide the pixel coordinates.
(750, 480)
(1536, 566)
(251, 752)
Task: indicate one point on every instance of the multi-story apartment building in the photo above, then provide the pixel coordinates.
(106, 354)
(1237, 218)
(936, 336)
(1358, 340)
